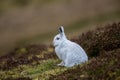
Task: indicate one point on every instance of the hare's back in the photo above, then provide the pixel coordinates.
(77, 51)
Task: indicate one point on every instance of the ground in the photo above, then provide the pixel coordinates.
(39, 61)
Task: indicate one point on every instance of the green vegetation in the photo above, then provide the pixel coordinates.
(40, 62)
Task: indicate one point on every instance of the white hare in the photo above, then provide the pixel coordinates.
(69, 52)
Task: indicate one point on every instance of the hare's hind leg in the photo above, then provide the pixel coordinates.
(69, 62)
(61, 64)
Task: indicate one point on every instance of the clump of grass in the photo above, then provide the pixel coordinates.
(44, 66)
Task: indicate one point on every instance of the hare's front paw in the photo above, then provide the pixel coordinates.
(61, 64)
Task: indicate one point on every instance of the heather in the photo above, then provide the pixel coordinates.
(38, 61)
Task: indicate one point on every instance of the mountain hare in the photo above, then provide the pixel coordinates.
(69, 52)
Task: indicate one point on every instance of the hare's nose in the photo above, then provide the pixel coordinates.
(54, 44)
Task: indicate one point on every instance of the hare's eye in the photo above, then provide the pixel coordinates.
(57, 38)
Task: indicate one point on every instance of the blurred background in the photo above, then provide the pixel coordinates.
(24, 22)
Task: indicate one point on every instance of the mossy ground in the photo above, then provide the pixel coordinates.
(39, 62)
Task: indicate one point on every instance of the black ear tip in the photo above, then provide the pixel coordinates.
(60, 29)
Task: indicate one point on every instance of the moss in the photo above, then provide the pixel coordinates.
(44, 66)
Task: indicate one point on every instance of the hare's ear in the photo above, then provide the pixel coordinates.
(61, 29)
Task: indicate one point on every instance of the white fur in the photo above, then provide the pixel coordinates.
(69, 52)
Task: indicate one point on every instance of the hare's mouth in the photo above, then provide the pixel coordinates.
(55, 45)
